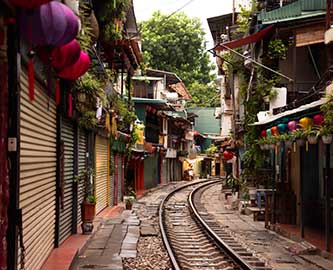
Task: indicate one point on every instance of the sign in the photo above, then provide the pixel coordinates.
(171, 153)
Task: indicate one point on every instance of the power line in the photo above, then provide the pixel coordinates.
(179, 9)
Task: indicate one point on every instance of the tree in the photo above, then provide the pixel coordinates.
(176, 43)
(204, 95)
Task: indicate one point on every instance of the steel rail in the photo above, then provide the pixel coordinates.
(166, 243)
(224, 246)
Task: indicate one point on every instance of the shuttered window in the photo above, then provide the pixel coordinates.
(101, 180)
(112, 180)
(37, 174)
(67, 137)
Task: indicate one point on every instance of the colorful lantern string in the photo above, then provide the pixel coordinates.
(318, 119)
(268, 132)
(292, 125)
(282, 128)
(305, 122)
(263, 133)
(274, 131)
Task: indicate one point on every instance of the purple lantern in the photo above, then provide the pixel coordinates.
(292, 125)
(51, 24)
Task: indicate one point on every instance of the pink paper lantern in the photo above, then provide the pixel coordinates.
(66, 55)
(75, 71)
(292, 125)
(51, 24)
(318, 119)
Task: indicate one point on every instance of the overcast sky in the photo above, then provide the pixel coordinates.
(202, 9)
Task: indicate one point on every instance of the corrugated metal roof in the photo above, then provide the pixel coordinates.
(205, 123)
(300, 109)
(297, 10)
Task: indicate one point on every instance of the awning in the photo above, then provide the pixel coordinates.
(244, 41)
(300, 109)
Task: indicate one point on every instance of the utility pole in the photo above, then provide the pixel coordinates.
(233, 11)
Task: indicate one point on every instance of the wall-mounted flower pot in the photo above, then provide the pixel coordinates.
(312, 139)
(327, 139)
(300, 142)
(272, 146)
(262, 146)
(266, 146)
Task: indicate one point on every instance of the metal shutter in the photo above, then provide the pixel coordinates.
(66, 211)
(112, 180)
(37, 174)
(101, 181)
(120, 176)
(82, 168)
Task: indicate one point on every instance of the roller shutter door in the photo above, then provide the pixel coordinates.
(37, 174)
(82, 167)
(112, 183)
(66, 211)
(101, 181)
(120, 176)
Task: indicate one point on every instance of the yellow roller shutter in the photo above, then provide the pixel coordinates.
(101, 181)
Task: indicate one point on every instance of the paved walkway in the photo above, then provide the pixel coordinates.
(279, 252)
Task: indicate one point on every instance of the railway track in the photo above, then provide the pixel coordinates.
(193, 238)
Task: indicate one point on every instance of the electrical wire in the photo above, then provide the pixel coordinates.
(179, 9)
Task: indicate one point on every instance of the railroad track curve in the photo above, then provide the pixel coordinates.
(194, 240)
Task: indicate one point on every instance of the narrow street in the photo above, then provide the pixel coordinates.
(132, 240)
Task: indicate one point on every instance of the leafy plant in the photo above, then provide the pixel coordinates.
(327, 109)
(85, 35)
(91, 199)
(245, 15)
(277, 49)
(211, 150)
(111, 15)
(88, 120)
(297, 134)
(325, 130)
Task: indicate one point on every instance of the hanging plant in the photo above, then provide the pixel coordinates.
(88, 120)
(111, 15)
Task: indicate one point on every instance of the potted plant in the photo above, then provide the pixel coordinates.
(129, 202)
(312, 134)
(89, 202)
(326, 134)
(130, 198)
(298, 136)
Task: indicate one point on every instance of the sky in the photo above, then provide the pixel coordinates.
(202, 9)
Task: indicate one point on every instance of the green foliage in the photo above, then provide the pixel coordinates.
(325, 130)
(245, 15)
(177, 43)
(126, 116)
(85, 35)
(211, 150)
(109, 12)
(203, 95)
(277, 49)
(88, 120)
(327, 109)
(91, 199)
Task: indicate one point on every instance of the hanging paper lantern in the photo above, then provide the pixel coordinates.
(268, 132)
(292, 125)
(318, 119)
(73, 72)
(66, 55)
(51, 24)
(305, 122)
(274, 131)
(282, 128)
(28, 3)
(263, 133)
(227, 155)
